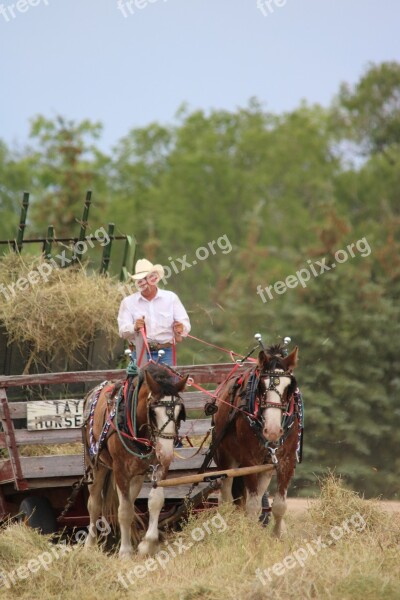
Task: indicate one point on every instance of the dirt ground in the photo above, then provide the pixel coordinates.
(299, 505)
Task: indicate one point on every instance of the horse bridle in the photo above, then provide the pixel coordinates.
(170, 406)
(274, 381)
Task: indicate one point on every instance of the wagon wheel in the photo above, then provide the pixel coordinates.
(37, 512)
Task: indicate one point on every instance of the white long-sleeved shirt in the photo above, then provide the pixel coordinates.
(160, 313)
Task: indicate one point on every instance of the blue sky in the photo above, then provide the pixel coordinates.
(84, 59)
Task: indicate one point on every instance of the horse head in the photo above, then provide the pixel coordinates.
(277, 387)
(165, 409)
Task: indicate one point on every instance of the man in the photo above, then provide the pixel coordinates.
(159, 313)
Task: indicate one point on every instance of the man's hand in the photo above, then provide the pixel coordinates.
(139, 324)
(178, 330)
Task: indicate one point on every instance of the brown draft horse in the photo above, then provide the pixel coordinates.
(263, 427)
(159, 410)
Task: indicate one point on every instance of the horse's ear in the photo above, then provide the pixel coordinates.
(180, 386)
(290, 361)
(262, 359)
(152, 384)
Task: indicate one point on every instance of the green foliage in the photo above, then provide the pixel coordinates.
(14, 179)
(370, 112)
(65, 165)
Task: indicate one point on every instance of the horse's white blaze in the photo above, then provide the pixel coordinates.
(165, 447)
(273, 416)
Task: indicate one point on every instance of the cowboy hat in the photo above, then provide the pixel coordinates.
(144, 267)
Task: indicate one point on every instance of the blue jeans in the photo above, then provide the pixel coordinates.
(167, 359)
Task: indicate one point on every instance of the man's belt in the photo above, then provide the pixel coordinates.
(155, 346)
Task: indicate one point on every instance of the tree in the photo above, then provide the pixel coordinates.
(345, 323)
(65, 166)
(369, 112)
(14, 179)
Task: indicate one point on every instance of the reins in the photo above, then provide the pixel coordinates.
(230, 352)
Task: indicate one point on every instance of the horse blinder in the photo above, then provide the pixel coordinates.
(274, 380)
(170, 406)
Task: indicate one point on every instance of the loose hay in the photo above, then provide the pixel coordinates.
(222, 565)
(63, 313)
(336, 503)
(54, 450)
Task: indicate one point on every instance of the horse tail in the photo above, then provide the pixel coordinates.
(110, 508)
(110, 500)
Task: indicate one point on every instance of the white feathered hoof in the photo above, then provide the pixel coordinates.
(125, 554)
(279, 530)
(148, 548)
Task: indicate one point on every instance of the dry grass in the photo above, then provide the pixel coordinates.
(64, 312)
(362, 565)
(55, 449)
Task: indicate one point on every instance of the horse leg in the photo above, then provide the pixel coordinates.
(95, 504)
(226, 490)
(149, 545)
(278, 510)
(256, 486)
(284, 475)
(226, 462)
(127, 495)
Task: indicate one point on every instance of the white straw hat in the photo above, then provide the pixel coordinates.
(144, 267)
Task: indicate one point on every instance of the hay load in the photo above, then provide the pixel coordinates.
(51, 311)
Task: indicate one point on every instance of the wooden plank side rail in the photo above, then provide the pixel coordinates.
(213, 373)
(11, 443)
(70, 436)
(192, 400)
(71, 465)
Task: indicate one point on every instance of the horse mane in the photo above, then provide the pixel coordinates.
(165, 379)
(276, 350)
(273, 356)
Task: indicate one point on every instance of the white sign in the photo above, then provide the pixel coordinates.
(54, 414)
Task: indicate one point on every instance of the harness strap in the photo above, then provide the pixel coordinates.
(234, 411)
(230, 352)
(145, 344)
(132, 439)
(95, 447)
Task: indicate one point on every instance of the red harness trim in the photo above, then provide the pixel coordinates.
(291, 407)
(145, 344)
